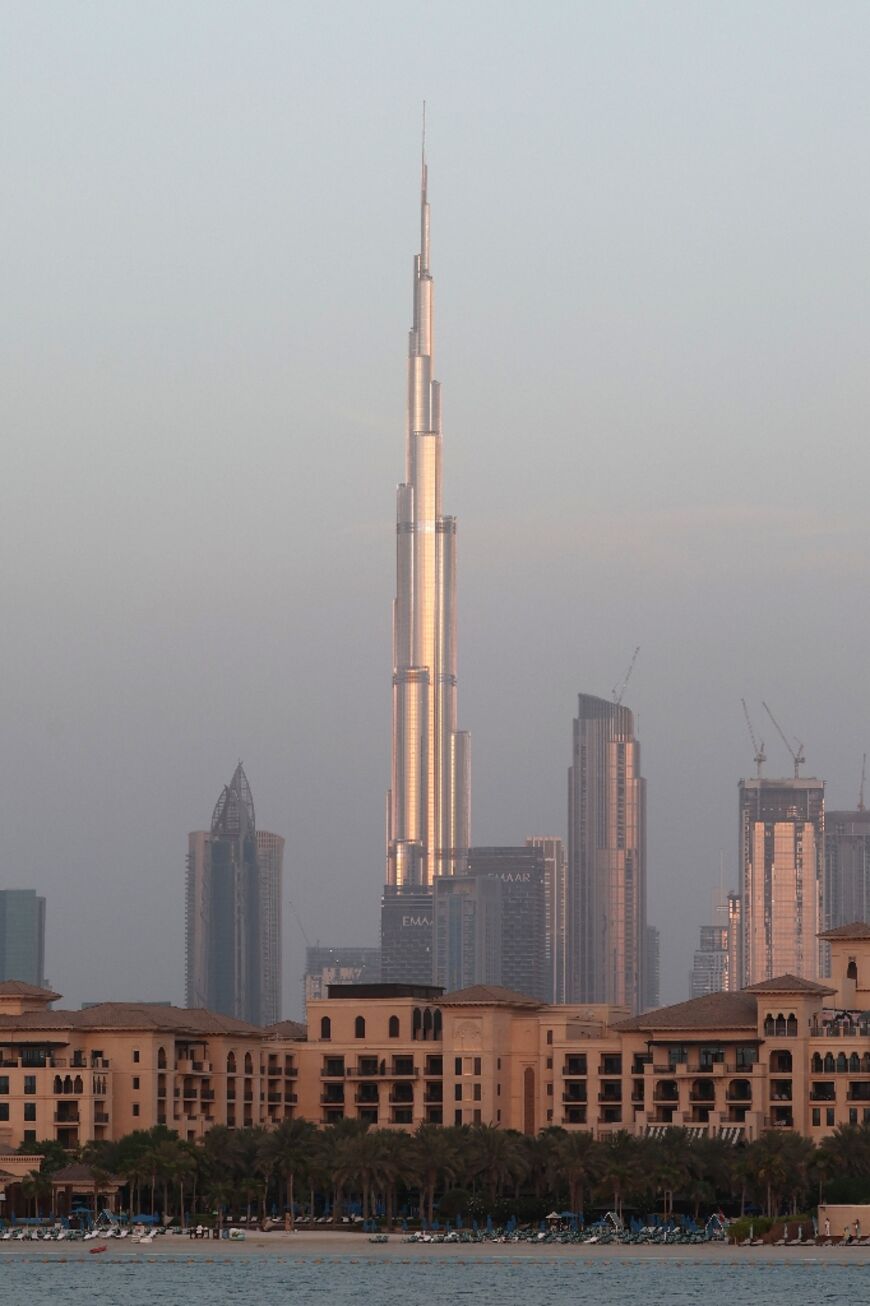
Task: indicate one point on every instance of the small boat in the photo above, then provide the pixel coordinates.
(379, 1238)
(95, 1251)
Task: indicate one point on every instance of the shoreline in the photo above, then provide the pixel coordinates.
(349, 1246)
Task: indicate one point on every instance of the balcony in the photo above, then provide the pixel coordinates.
(610, 1098)
(274, 1097)
(101, 1117)
(574, 1067)
(573, 1093)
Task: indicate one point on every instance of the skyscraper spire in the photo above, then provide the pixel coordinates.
(427, 808)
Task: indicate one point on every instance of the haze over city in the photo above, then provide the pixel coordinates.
(650, 229)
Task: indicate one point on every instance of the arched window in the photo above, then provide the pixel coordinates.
(780, 1026)
(842, 1064)
(416, 1023)
(231, 1063)
(249, 1064)
(829, 1063)
(427, 1024)
(769, 1029)
(359, 1027)
(852, 970)
(865, 1064)
(325, 1027)
(436, 1025)
(78, 1086)
(67, 1084)
(792, 1026)
(58, 1084)
(854, 1064)
(394, 1027)
(161, 1058)
(817, 1064)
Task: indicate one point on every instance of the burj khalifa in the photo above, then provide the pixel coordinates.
(428, 804)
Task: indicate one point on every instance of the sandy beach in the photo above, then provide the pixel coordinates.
(333, 1245)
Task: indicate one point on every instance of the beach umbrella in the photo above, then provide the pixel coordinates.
(554, 1215)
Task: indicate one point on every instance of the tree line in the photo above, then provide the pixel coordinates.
(472, 1171)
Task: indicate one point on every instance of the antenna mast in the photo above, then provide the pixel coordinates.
(861, 807)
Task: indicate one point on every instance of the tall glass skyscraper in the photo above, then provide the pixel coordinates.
(607, 933)
(233, 911)
(428, 800)
(22, 936)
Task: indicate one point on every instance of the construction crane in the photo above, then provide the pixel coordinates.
(760, 756)
(619, 690)
(861, 790)
(797, 754)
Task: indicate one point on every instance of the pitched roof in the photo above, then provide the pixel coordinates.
(857, 930)
(713, 1011)
(77, 1172)
(488, 995)
(190, 1021)
(13, 988)
(291, 1029)
(788, 984)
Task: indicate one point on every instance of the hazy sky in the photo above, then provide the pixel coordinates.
(651, 244)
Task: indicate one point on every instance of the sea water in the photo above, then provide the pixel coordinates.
(275, 1279)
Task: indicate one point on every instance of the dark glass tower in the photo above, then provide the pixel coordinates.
(233, 923)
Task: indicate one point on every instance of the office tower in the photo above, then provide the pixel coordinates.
(325, 966)
(428, 800)
(22, 936)
(406, 935)
(233, 911)
(734, 904)
(710, 965)
(606, 857)
(521, 874)
(782, 828)
(652, 969)
(467, 912)
(847, 868)
(555, 913)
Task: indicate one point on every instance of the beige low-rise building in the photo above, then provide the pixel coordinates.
(787, 1053)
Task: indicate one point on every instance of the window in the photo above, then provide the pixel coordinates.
(457, 1066)
(325, 1027)
(359, 1027)
(30, 1083)
(394, 1027)
(829, 1116)
(136, 1083)
(549, 1063)
(29, 1110)
(457, 1092)
(498, 1063)
(549, 1090)
(477, 1092)
(867, 1115)
(549, 1036)
(135, 1108)
(498, 1116)
(4, 1110)
(477, 1065)
(853, 1115)
(457, 1116)
(4, 1083)
(817, 1116)
(477, 1117)
(30, 1135)
(498, 1090)
(135, 1054)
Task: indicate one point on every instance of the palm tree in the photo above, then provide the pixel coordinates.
(497, 1157)
(289, 1149)
(434, 1159)
(576, 1160)
(620, 1160)
(35, 1186)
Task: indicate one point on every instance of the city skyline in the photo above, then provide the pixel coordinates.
(653, 322)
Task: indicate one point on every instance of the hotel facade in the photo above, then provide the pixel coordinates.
(788, 1054)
